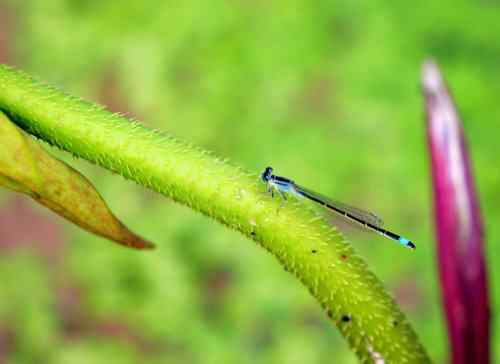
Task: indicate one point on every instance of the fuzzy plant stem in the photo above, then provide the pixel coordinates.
(305, 244)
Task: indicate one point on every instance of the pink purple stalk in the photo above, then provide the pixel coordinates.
(458, 223)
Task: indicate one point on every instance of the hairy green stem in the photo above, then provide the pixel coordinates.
(303, 242)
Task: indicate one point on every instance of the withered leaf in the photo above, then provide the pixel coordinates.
(27, 168)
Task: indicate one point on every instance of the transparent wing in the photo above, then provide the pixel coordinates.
(367, 216)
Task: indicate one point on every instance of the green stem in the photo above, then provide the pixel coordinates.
(304, 243)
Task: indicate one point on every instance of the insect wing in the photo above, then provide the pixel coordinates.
(361, 214)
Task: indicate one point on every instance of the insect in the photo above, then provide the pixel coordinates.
(284, 186)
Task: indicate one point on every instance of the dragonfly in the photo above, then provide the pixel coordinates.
(284, 186)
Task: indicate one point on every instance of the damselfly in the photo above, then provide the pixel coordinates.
(369, 220)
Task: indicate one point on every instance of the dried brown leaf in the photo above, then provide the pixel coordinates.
(27, 168)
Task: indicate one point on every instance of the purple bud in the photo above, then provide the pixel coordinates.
(458, 226)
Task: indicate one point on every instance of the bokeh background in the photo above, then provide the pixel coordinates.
(327, 92)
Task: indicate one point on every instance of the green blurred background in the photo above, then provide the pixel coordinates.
(327, 92)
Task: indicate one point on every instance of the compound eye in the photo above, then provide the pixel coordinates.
(266, 175)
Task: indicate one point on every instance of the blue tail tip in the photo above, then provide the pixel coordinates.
(407, 243)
